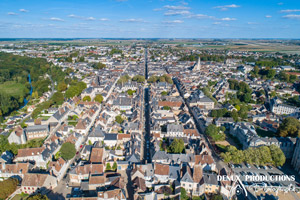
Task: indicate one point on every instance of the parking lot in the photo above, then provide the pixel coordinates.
(248, 171)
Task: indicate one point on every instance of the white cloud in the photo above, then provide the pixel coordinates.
(23, 10)
(216, 23)
(290, 10)
(12, 13)
(176, 7)
(74, 16)
(202, 16)
(91, 18)
(268, 16)
(252, 23)
(133, 20)
(177, 12)
(173, 22)
(56, 19)
(292, 16)
(104, 19)
(228, 19)
(227, 6)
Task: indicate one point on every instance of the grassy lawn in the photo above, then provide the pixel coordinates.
(44, 117)
(263, 133)
(12, 88)
(72, 123)
(20, 197)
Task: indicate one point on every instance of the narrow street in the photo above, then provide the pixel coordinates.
(147, 152)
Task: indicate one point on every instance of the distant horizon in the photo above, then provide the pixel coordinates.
(138, 38)
(150, 19)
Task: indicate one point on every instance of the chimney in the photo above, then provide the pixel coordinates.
(3, 166)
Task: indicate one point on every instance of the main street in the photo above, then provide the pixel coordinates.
(146, 134)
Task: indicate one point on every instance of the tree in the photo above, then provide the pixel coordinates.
(217, 197)
(38, 197)
(167, 108)
(164, 93)
(58, 98)
(256, 70)
(290, 127)
(35, 95)
(272, 94)
(98, 65)
(87, 98)
(130, 92)
(271, 73)
(183, 194)
(108, 167)
(138, 78)
(115, 166)
(119, 119)
(7, 187)
(67, 151)
(98, 98)
(214, 132)
(278, 156)
(177, 146)
(61, 86)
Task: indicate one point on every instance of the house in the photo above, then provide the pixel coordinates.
(97, 135)
(174, 130)
(122, 103)
(83, 126)
(59, 116)
(29, 154)
(6, 157)
(161, 172)
(36, 132)
(58, 168)
(115, 194)
(97, 155)
(16, 170)
(35, 182)
(224, 121)
(17, 136)
(82, 172)
(110, 139)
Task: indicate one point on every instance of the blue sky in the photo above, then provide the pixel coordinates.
(149, 19)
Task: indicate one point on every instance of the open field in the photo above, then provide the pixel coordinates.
(12, 88)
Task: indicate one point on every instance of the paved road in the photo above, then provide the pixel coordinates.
(147, 152)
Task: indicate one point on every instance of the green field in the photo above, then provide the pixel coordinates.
(12, 88)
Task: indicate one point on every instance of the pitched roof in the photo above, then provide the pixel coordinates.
(97, 155)
(32, 179)
(203, 159)
(170, 103)
(161, 169)
(30, 151)
(197, 175)
(15, 168)
(89, 168)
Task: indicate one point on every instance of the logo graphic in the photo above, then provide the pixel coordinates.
(238, 187)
